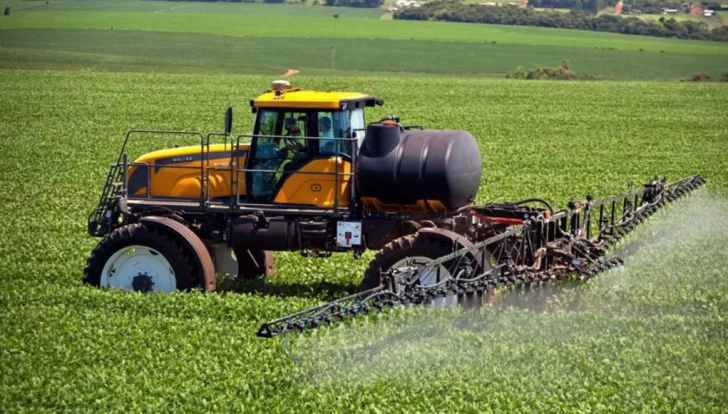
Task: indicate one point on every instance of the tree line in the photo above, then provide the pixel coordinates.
(644, 6)
(575, 19)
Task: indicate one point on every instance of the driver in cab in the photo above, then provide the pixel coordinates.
(292, 142)
(327, 143)
(290, 149)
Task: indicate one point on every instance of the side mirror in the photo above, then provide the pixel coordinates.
(228, 120)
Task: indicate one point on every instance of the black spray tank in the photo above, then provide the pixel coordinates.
(403, 167)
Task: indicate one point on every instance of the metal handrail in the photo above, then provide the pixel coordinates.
(233, 145)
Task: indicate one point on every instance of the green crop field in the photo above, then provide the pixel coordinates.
(648, 337)
(184, 52)
(286, 25)
(136, 36)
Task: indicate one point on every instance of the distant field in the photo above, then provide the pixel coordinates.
(159, 7)
(318, 27)
(17, 5)
(258, 38)
(188, 52)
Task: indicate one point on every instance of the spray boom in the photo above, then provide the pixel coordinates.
(547, 246)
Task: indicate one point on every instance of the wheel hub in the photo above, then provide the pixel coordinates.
(139, 268)
(142, 283)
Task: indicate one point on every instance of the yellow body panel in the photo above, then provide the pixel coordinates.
(297, 99)
(176, 172)
(318, 189)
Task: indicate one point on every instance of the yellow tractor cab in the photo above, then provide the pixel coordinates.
(303, 146)
(300, 155)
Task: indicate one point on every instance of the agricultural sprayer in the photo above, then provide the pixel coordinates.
(313, 177)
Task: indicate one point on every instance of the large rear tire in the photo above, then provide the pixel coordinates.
(420, 247)
(141, 258)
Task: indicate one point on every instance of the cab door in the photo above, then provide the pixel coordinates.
(324, 179)
(278, 149)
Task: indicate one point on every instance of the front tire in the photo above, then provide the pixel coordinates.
(141, 258)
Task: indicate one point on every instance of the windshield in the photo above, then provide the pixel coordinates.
(327, 125)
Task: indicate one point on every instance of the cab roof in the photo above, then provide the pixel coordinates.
(287, 97)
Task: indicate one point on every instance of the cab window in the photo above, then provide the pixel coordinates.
(357, 125)
(332, 127)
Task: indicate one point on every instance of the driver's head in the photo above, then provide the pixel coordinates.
(325, 124)
(294, 130)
